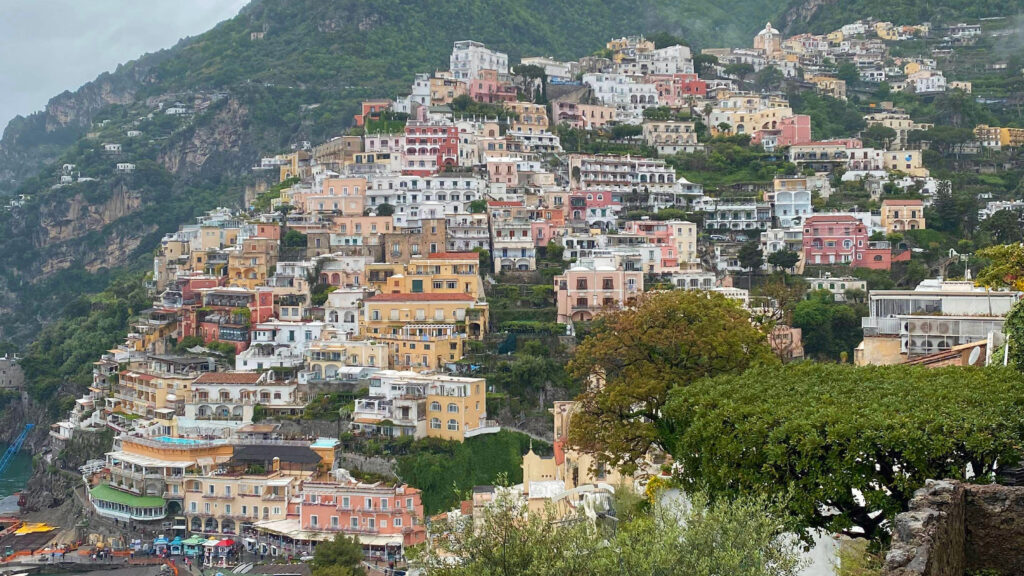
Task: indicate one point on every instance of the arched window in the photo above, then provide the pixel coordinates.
(435, 406)
(453, 407)
(452, 424)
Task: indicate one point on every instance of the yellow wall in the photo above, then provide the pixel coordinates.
(471, 408)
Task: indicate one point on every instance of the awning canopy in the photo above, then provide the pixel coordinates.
(107, 494)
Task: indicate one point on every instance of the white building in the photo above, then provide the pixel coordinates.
(232, 396)
(449, 194)
(630, 98)
(468, 58)
(278, 344)
(341, 311)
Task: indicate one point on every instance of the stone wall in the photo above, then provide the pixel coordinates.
(928, 539)
(953, 528)
(995, 528)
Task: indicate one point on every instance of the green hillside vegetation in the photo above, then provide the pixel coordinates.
(446, 471)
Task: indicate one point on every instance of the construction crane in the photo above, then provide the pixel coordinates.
(14, 448)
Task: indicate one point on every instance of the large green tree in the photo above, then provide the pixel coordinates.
(339, 557)
(829, 328)
(636, 356)
(849, 444)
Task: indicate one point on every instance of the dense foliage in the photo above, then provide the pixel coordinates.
(342, 556)
(635, 357)
(739, 538)
(445, 470)
(824, 431)
(60, 359)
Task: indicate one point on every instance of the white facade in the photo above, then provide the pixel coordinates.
(448, 195)
(278, 344)
(468, 58)
(629, 98)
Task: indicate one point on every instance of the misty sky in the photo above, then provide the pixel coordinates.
(48, 46)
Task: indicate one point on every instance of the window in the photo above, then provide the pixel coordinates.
(313, 521)
(345, 502)
(453, 407)
(383, 503)
(193, 507)
(398, 523)
(435, 423)
(369, 503)
(334, 521)
(581, 283)
(355, 522)
(408, 503)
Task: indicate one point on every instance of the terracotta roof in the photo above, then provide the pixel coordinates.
(137, 375)
(418, 297)
(496, 203)
(455, 255)
(228, 378)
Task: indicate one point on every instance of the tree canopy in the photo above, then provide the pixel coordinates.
(635, 356)
(739, 538)
(827, 432)
(339, 557)
(1006, 269)
(784, 259)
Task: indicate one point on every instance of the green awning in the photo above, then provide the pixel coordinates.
(194, 540)
(107, 494)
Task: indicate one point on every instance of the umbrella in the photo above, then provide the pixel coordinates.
(226, 543)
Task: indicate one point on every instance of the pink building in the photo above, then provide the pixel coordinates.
(677, 90)
(430, 147)
(659, 236)
(378, 515)
(795, 130)
(581, 115)
(503, 171)
(594, 285)
(490, 88)
(833, 239)
(879, 256)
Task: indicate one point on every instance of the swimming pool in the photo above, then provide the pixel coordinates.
(179, 441)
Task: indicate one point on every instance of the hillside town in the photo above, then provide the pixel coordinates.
(374, 272)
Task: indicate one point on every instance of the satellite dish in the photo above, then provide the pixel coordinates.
(975, 355)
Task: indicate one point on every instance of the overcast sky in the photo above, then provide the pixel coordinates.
(48, 46)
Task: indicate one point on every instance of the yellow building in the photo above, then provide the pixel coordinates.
(217, 237)
(444, 90)
(158, 386)
(256, 484)
(911, 68)
(145, 476)
(388, 313)
(573, 468)
(439, 273)
(295, 165)
(251, 264)
(402, 403)
(425, 347)
(902, 215)
(830, 86)
(532, 117)
(886, 31)
(335, 359)
(906, 161)
(456, 407)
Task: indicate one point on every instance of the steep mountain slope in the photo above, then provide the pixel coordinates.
(301, 81)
